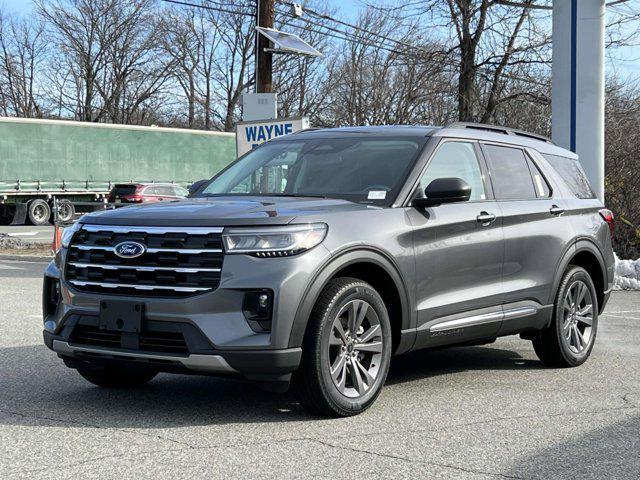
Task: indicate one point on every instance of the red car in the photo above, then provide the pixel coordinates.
(145, 192)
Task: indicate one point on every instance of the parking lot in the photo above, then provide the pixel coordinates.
(475, 412)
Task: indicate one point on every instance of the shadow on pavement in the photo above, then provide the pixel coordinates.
(37, 389)
(610, 452)
(431, 363)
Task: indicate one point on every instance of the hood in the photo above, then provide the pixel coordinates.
(221, 211)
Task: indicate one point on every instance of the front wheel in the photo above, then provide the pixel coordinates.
(346, 350)
(568, 341)
(116, 377)
(39, 212)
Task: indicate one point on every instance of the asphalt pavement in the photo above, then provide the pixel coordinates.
(464, 413)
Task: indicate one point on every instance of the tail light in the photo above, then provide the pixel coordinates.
(607, 216)
(133, 198)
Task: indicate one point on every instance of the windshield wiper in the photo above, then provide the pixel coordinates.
(310, 195)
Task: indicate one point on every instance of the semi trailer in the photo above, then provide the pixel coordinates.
(74, 165)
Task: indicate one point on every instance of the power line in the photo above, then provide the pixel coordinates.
(341, 34)
(209, 7)
(344, 35)
(350, 25)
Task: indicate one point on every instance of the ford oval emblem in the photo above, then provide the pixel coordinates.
(129, 249)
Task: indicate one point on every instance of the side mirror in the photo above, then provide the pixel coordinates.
(444, 190)
(195, 186)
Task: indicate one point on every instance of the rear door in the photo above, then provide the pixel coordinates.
(535, 233)
(459, 249)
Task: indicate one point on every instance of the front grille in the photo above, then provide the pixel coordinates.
(177, 262)
(165, 342)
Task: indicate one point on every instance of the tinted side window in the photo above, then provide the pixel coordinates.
(456, 159)
(510, 173)
(539, 182)
(572, 173)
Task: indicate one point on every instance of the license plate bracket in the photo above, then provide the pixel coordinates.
(121, 316)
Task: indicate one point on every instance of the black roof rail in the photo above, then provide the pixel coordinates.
(498, 129)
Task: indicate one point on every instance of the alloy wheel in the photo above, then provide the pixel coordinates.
(355, 348)
(577, 311)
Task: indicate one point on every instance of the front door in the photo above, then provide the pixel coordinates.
(459, 252)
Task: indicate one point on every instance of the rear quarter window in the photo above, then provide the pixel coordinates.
(572, 173)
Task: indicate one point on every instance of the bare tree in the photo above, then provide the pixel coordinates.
(232, 73)
(22, 51)
(108, 67)
(371, 82)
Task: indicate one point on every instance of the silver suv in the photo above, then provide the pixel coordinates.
(316, 257)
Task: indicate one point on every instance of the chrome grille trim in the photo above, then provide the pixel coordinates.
(143, 269)
(82, 283)
(152, 230)
(177, 261)
(189, 251)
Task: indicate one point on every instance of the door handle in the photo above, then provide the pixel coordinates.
(556, 210)
(485, 218)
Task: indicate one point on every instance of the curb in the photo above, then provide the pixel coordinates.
(25, 258)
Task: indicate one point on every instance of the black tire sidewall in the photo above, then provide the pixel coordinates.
(362, 291)
(30, 213)
(575, 273)
(65, 204)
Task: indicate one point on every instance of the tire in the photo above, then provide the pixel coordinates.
(66, 211)
(6, 215)
(569, 339)
(361, 364)
(39, 212)
(116, 377)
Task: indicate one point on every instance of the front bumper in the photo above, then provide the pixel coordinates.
(260, 365)
(219, 338)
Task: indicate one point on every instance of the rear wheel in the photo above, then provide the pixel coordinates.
(66, 211)
(116, 377)
(39, 212)
(346, 350)
(568, 341)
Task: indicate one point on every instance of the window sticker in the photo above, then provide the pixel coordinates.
(377, 195)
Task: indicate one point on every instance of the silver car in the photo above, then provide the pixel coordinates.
(316, 257)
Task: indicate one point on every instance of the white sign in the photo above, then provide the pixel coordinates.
(251, 134)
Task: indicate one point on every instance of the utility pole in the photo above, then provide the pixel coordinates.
(265, 17)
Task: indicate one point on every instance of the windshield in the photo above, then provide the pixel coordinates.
(359, 169)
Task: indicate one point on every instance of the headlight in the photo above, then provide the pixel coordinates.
(273, 241)
(67, 234)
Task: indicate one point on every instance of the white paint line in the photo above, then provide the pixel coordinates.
(4, 266)
(625, 317)
(23, 234)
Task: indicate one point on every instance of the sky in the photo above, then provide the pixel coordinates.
(624, 62)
